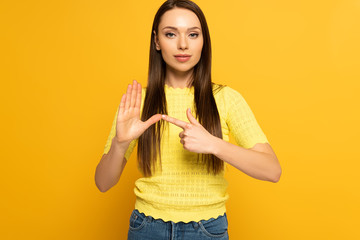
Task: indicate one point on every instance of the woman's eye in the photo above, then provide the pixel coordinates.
(167, 34)
(193, 35)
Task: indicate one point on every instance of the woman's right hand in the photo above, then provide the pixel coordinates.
(128, 125)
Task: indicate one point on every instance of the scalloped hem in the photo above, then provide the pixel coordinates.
(179, 216)
(183, 221)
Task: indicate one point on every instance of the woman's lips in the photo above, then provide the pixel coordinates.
(182, 58)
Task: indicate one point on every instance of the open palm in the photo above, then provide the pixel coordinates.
(128, 125)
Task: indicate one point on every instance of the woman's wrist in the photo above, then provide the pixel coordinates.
(215, 145)
(122, 145)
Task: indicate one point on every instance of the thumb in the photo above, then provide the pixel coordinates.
(152, 120)
(191, 118)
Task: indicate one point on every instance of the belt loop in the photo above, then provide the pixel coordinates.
(172, 230)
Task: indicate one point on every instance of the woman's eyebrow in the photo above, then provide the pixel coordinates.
(177, 29)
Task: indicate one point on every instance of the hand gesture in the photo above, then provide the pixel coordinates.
(128, 125)
(195, 138)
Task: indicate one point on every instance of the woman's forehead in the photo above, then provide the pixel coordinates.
(181, 19)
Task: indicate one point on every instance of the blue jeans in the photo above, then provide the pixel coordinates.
(142, 227)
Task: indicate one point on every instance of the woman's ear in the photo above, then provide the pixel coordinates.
(156, 41)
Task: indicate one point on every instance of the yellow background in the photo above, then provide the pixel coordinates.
(65, 64)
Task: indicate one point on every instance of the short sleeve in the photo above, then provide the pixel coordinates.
(241, 120)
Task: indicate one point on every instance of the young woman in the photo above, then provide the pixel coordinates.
(182, 135)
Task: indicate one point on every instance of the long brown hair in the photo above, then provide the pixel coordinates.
(155, 101)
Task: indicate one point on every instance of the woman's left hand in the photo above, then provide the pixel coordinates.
(195, 138)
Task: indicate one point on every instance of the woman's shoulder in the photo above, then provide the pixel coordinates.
(227, 97)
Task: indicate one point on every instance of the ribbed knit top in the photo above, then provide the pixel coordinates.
(183, 190)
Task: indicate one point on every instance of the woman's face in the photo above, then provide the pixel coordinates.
(179, 33)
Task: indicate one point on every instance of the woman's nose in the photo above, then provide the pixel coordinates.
(183, 44)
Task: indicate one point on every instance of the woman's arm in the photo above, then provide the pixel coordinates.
(259, 161)
(111, 166)
(126, 127)
(261, 164)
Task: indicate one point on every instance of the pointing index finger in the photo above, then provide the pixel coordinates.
(175, 121)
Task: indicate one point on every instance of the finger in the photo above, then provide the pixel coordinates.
(152, 120)
(138, 96)
(191, 118)
(177, 122)
(122, 104)
(133, 94)
(128, 95)
(181, 134)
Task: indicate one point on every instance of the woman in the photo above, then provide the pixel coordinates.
(182, 157)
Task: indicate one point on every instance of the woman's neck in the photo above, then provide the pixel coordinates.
(178, 79)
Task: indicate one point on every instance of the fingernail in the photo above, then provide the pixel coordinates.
(163, 116)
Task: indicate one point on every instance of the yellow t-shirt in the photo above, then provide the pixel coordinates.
(183, 190)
